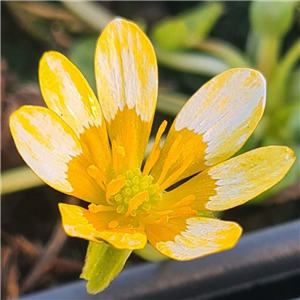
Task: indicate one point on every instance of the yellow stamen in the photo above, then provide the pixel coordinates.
(120, 150)
(131, 137)
(114, 187)
(100, 208)
(183, 211)
(165, 215)
(163, 219)
(183, 202)
(172, 178)
(118, 153)
(174, 152)
(154, 154)
(113, 224)
(98, 175)
(159, 213)
(136, 201)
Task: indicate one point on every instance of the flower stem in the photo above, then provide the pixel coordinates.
(290, 58)
(252, 44)
(278, 81)
(268, 53)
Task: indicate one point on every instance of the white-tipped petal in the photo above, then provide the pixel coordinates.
(192, 237)
(216, 122)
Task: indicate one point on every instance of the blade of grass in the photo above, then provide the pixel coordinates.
(92, 13)
(227, 52)
(191, 62)
(18, 179)
(170, 103)
(278, 81)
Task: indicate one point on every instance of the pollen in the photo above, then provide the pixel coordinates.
(134, 193)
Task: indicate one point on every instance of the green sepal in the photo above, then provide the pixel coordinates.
(150, 254)
(206, 214)
(103, 263)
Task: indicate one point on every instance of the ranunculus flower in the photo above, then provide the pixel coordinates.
(94, 150)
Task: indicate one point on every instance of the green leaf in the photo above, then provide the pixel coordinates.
(163, 35)
(188, 28)
(82, 55)
(201, 20)
(103, 263)
(293, 90)
(272, 18)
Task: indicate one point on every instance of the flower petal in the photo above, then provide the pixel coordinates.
(192, 237)
(66, 92)
(79, 222)
(235, 181)
(124, 238)
(75, 222)
(126, 76)
(216, 122)
(51, 149)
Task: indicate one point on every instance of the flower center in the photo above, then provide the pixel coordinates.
(133, 193)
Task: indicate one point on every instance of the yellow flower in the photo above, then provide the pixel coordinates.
(95, 150)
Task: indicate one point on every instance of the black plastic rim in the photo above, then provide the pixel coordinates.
(264, 265)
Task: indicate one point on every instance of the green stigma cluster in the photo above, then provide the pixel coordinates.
(136, 183)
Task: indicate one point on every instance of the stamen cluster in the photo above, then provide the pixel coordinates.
(138, 194)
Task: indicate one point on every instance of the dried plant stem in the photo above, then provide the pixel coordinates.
(51, 250)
